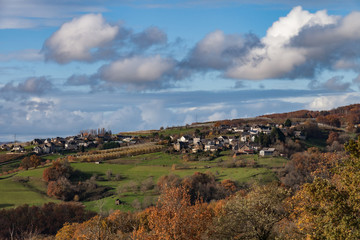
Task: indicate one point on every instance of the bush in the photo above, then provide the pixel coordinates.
(147, 184)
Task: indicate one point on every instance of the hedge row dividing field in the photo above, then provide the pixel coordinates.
(108, 154)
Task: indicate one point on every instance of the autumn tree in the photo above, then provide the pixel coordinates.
(97, 228)
(203, 186)
(353, 148)
(333, 136)
(23, 221)
(174, 217)
(26, 163)
(35, 160)
(59, 168)
(330, 208)
(170, 180)
(304, 167)
(253, 215)
(61, 189)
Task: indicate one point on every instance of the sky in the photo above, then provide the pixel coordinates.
(125, 65)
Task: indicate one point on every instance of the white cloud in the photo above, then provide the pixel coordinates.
(149, 37)
(78, 39)
(31, 86)
(333, 101)
(217, 116)
(215, 50)
(137, 70)
(277, 57)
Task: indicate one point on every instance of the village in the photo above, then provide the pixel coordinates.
(240, 140)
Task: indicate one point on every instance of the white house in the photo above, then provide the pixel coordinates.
(267, 152)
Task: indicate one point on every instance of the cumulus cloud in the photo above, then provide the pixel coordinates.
(137, 70)
(79, 39)
(333, 101)
(278, 57)
(90, 38)
(217, 50)
(149, 37)
(31, 86)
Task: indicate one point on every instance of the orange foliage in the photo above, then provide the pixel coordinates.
(229, 185)
(175, 218)
(67, 231)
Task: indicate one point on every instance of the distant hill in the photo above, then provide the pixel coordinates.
(341, 116)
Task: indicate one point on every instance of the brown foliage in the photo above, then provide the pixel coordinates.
(303, 167)
(59, 168)
(118, 225)
(170, 180)
(229, 185)
(35, 160)
(199, 186)
(203, 186)
(333, 136)
(48, 219)
(61, 189)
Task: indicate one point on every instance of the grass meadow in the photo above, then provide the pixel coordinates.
(134, 170)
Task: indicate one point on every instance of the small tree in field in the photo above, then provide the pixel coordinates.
(59, 168)
(35, 160)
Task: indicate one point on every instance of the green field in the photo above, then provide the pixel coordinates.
(135, 169)
(14, 193)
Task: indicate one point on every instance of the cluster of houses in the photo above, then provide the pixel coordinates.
(244, 142)
(241, 140)
(76, 143)
(12, 148)
(72, 143)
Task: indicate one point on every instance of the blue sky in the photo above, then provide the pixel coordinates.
(72, 65)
